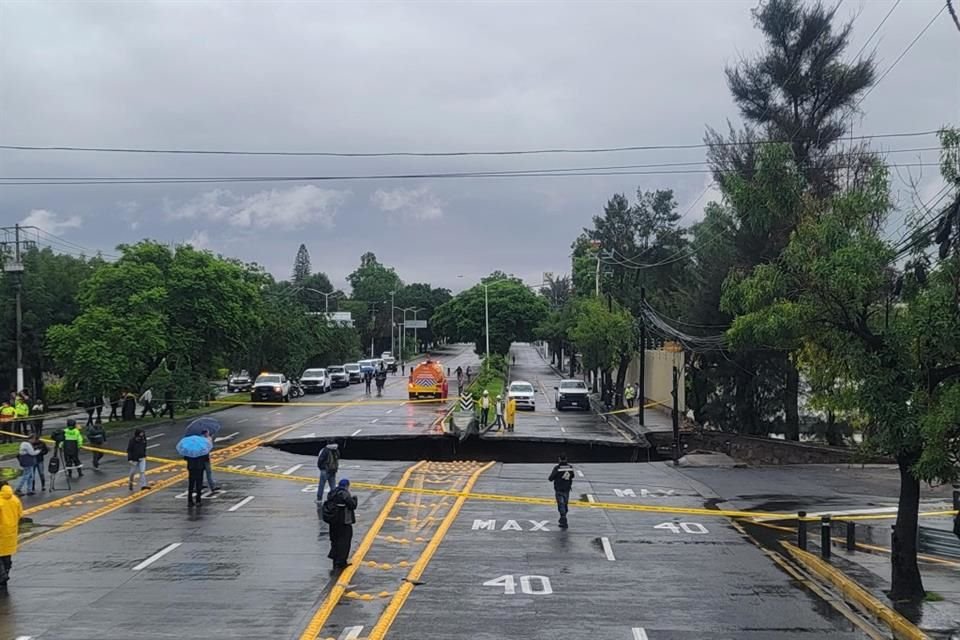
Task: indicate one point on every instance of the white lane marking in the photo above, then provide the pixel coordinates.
(557, 418)
(356, 432)
(309, 435)
(230, 436)
(639, 634)
(151, 446)
(159, 554)
(350, 633)
(275, 412)
(374, 420)
(291, 470)
(24, 638)
(389, 411)
(579, 473)
(241, 503)
(242, 421)
(607, 549)
(590, 498)
(156, 435)
(562, 430)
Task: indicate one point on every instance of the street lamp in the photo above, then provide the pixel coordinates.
(486, 304)
(415, 343)
(326, 297)
(404, 334)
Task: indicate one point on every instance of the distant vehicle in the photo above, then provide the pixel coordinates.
(315, 381)
(353, 372)
(238, 382)
(427, 381)
(270, 387)
(385, 355)
(524, 394)
(390, 363)
(339, 377)
(368, 365)
(572, 393)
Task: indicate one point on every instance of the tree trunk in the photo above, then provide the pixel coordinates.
(905, 574)
(791, 403)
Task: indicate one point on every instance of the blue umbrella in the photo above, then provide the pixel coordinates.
(194, 447)
(198, 426)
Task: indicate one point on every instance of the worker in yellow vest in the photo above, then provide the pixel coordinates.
(22, 408)
(7, 416)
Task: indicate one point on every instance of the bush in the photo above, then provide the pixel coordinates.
(57, 392)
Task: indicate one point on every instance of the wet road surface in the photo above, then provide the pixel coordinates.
(251, 563)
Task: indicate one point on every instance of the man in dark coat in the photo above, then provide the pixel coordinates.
(341, 528)
(562, 479)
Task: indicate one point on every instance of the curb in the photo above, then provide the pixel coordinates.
(853, 592)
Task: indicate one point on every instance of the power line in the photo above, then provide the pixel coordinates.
(425, 154)
(533, 173)
(877, 29)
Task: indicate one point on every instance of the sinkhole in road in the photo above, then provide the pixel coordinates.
(446, 447)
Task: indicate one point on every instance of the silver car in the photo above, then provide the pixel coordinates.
(524, 394)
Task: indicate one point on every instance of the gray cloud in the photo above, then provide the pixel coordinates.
(397, 76)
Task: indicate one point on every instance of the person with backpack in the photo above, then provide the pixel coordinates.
(562, 479)
(42, 451)
(339, 511)
(72, 441)
(329, 463)
(97, 436)
(27, 457)
(137, 459)
(10, 512)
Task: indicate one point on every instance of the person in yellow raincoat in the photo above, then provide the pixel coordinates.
(511, 415)
(10, 511)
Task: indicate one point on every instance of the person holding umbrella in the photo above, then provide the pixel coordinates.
(195, 449)
(208, 428)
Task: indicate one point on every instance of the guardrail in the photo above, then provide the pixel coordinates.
(941, 542)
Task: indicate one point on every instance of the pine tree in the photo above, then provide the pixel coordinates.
(301, 265)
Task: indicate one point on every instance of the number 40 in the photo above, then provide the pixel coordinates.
(526, 585)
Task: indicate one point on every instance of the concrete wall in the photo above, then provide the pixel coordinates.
(766, 450)
(658, 382)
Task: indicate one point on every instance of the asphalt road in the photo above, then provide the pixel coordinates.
(251, 563)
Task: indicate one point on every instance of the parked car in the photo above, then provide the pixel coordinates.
(315, 381)
(238, 382)
(353, 371)
(572, 393)
(390, 363)
(270, 387)
(524, 393)
(339, 377)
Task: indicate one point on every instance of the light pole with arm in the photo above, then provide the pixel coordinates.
(393, 325)
(416, 344)
(403, 335)
(326, 297)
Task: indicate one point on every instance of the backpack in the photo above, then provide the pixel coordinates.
(54, 466)
(329, 457)
(328, 512)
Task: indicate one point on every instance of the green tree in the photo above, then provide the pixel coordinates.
(426, 299)
(893, 350)
(515, 311)
(602, 335)
(301, 266)
(372, 283)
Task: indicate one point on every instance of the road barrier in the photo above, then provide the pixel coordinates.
(466, 402)
(940, 542)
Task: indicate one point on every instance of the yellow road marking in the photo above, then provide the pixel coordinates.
(339, 589)
(398, 600)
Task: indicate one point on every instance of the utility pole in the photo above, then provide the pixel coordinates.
(16, 270)
(393, 326)
(486, 313)
(676, 417)
(641, 395)
(416, 343)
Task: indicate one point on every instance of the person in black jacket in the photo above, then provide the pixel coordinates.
(96, 436)
(341, 528)
(195, 467)
(137, 459)
(42, 451)
(562, 479)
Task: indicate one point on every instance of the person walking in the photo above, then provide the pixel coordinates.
(168, 402)
(115, 400)
(469, 375)
(90, 406)
(27, 456)
(629, 394)
(381, 381)
(10, 512)
(562, 479)
(342, 516)
(72, 441)
(146, 399)
(97, 436)
(137, 459)
(367, 380)
(329, 463)
(498, 409)
(511, 414)
(208, 465)
(195, 468)
(38, 472)
(484, 407)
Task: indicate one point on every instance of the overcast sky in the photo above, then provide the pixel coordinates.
(397, 76)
